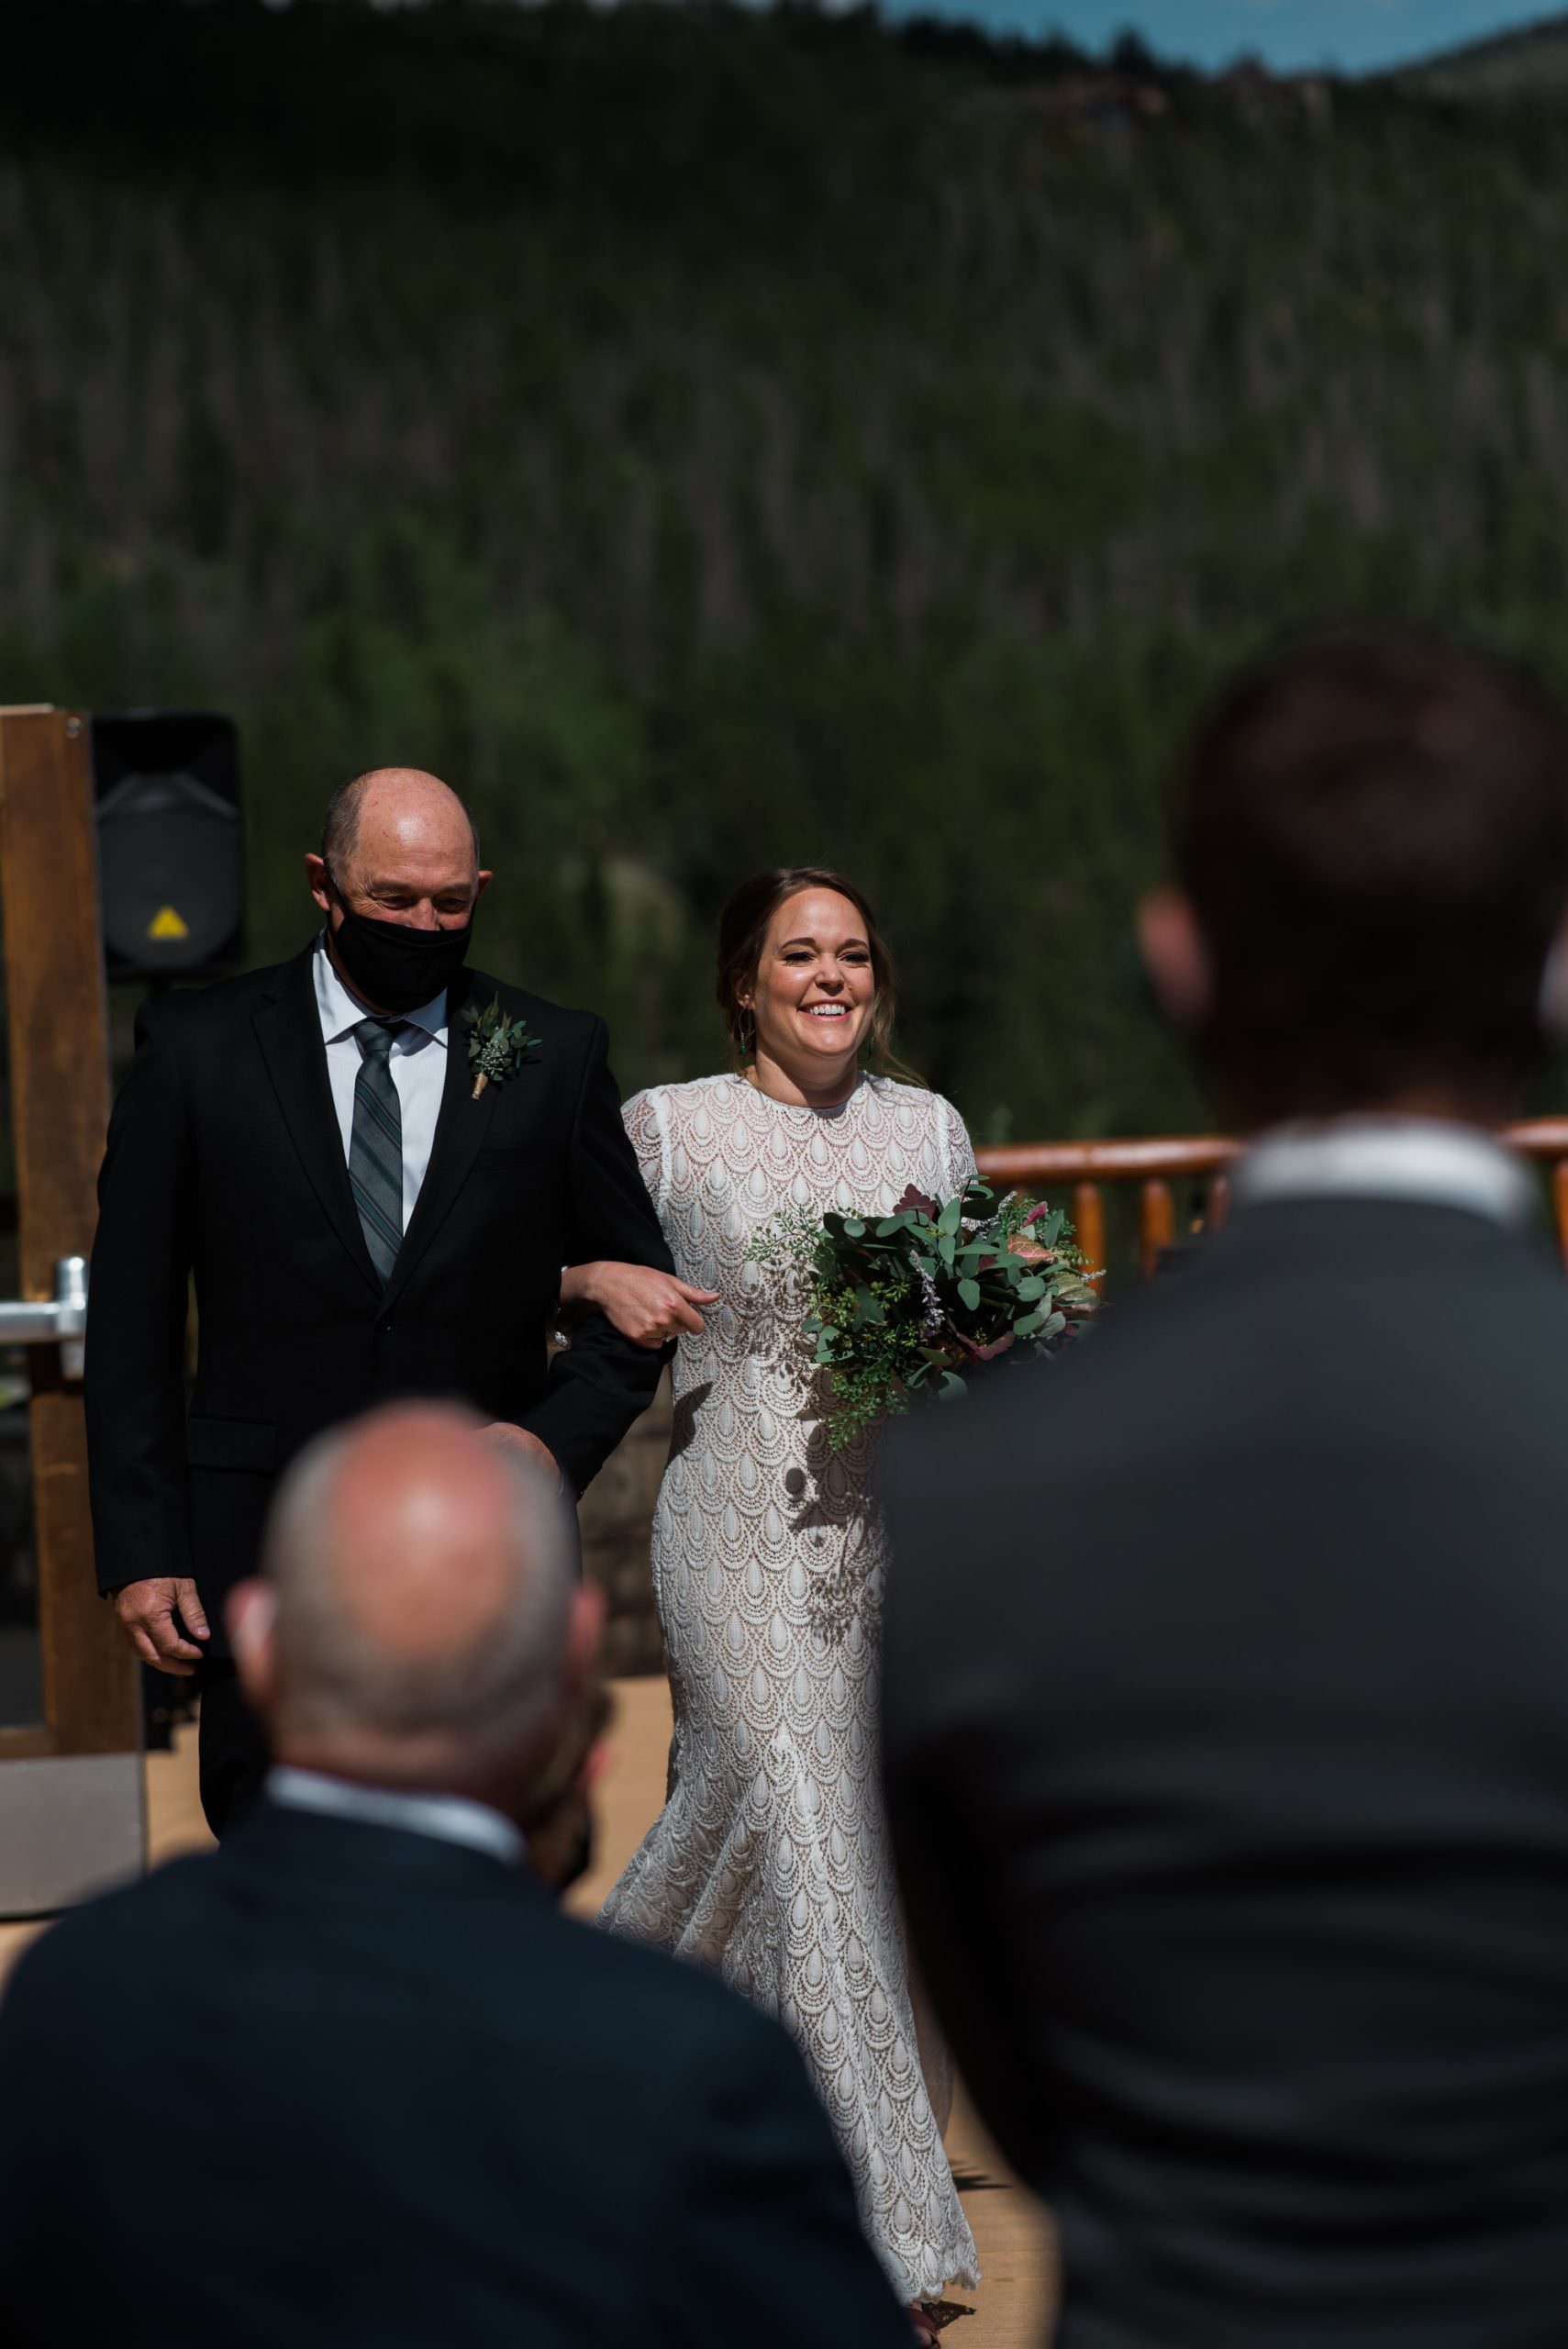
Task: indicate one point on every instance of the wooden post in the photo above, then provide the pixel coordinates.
(1156, 1224)
(59, 1104)
(1089, 1223)
(1219, 1203)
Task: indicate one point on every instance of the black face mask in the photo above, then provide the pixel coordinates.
(395, 967)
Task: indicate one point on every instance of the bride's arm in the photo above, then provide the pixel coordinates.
(646, 1306)
(643, 1304)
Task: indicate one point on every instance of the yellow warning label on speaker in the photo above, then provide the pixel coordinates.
(166, 923)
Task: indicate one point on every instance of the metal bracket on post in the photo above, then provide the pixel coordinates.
(59, 1320)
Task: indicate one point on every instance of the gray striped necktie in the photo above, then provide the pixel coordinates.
(375, 1145)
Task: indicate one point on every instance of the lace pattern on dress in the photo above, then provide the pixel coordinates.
(771, 1860)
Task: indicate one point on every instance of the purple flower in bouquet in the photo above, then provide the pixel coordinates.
(915, 1202)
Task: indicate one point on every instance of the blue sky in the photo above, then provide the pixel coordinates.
(1353, 35)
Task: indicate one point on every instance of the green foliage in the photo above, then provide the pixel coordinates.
(716, 437)
(1528, 63)
(898, 1305)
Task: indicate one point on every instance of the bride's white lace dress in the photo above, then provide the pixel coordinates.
(771, 1860)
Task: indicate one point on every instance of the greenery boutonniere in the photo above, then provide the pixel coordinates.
(497, 1046)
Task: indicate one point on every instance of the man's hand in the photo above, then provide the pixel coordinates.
(146, 1610)
(519, 1440)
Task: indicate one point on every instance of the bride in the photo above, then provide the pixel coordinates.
(770, 1861)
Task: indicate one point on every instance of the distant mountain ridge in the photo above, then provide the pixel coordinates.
(727, 438)
(1530, 61)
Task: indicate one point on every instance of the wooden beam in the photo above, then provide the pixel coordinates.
(59, 1107)
(28, 1744)
(1156, 1224)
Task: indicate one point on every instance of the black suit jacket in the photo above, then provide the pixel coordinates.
(225, 1159)
(1228, 1661)
(400, 2099)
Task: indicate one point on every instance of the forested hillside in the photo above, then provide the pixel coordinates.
(711, 437)
(1532, 62)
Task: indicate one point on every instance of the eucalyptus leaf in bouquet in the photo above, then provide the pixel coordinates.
(915, 1302)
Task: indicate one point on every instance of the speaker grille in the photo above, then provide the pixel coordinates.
(171, 842)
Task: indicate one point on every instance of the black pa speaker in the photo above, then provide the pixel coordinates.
(171, 842)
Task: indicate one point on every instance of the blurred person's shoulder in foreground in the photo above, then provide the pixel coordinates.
(1246, 1704)
(398, 2095)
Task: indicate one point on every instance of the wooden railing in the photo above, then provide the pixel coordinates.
(1080, 1170)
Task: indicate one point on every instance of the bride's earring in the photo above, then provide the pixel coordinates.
(747, 1025)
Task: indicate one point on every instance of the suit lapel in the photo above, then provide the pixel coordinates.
(288, 1027)
(461, 1130)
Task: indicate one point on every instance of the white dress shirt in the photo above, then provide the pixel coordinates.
(451, 1818)
(1419, 1159)
(418, 1061)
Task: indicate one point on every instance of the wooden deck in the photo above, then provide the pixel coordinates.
(1013, 2252)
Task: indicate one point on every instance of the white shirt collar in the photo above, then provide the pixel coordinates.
(450, 1819)
(1413, 1158)
(341, 1012)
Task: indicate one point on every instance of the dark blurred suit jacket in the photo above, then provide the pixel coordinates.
(401, 2102)
(1227, 1739)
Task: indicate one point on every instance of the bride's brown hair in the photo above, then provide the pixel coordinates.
(743, 931)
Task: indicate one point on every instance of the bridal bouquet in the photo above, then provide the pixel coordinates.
(913, 1302)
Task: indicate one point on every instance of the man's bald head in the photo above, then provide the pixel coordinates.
(397, 803)
(398, 846)
(424, 1601)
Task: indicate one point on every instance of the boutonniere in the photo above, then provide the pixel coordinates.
(497, 1046)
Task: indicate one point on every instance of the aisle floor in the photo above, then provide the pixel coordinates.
(1009, 2309)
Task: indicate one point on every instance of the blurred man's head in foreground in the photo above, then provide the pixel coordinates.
(1370, 863)
(420, 1624)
